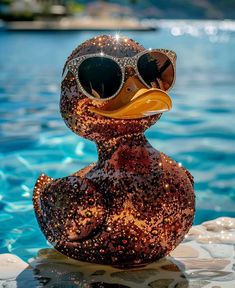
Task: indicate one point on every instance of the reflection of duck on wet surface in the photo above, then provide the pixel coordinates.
(135, 204)
(52, 269)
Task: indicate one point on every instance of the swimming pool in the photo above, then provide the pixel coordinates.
(199, 131)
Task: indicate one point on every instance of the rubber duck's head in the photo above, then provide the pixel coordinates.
(112, 86)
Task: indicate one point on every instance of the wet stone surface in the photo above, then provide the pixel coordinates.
(206, 258)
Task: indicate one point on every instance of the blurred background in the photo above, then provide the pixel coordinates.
(36, 37)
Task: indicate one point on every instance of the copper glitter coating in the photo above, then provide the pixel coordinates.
(130, 208)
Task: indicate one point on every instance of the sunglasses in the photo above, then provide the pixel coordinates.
(101, 76)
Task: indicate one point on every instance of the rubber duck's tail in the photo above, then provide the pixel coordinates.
(39, 187)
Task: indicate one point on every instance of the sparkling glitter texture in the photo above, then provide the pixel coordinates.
(130, 208)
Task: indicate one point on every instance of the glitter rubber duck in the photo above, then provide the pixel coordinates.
(135, 204)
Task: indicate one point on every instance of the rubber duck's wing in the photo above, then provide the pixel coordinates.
(85, 170)
(71, 210)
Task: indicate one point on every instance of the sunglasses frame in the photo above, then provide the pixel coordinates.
(123, 62)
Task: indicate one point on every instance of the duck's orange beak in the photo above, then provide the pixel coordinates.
(138, 102)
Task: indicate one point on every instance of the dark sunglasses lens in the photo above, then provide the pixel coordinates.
(100, 77)
(156, 69)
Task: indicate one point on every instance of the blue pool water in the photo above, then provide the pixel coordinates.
(199, 131)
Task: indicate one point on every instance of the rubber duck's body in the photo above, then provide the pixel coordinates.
(135, 204)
